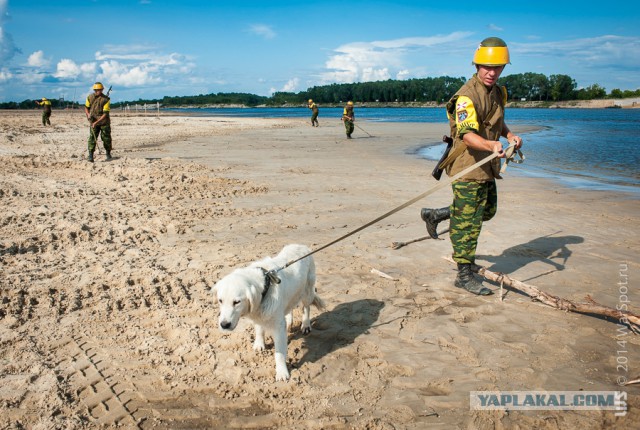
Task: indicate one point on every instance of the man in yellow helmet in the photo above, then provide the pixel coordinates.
(476, 118)
(348, 117)
(314, 113)
(46, 112)
(97, 109)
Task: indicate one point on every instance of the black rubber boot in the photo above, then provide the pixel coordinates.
(469, 282)
(432, 217)
(90, 158)
(108, 155)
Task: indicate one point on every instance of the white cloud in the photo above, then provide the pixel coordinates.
(262, 30)
(117, 73)
(88, 69)
(403, 74)
(291, 85)
(67, 69)
(370, 74)
(494, 27)
(379, 60)
(5, 75)
(31, 78)
(37, 60)
(140, 65)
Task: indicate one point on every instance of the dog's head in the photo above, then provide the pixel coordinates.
(236, 296)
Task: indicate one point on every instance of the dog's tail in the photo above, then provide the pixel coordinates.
(318, 302)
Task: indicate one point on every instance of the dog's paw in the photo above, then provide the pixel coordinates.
(258, 346)
(306, 330)
(282, 374)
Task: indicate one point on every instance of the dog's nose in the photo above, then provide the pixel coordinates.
(225, 325)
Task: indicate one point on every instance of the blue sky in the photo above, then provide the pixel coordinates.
(153, 48)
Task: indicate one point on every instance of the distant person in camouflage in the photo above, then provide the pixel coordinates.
(314, 113)
(46, 110)
(476, 117)
(97, 109)
(348, 117)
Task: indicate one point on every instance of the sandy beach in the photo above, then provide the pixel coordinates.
(107, 319)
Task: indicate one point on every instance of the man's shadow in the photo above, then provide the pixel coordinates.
(339, 327)
(549, 249)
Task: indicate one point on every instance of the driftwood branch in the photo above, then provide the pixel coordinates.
(383, 275)
(398, 245)
(590, 307)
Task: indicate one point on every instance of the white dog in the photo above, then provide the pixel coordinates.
(252, 293)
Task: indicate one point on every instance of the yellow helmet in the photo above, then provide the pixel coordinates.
(350, 103)
(492, 51)
(98, 86)
(310, 101)
(44, 99)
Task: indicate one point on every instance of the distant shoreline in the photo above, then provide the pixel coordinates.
(630, 103)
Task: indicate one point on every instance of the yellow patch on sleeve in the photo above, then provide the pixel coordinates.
(466, 116)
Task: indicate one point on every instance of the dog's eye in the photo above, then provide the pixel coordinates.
(236, 302)
(220, 301)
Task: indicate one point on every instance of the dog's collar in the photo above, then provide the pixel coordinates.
(270, 277)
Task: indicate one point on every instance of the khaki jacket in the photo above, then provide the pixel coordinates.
(98, 106)
(489, 107)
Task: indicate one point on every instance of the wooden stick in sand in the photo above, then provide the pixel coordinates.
(383, 275)
(590, 307)
(398, 245)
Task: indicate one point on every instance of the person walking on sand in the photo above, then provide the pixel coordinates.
(476, 118)
(348, 117)
(314, 113)
(46, 110)
(97, 109)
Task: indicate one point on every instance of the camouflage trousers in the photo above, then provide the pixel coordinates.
(45, 118)
(314, 119)
(103, 131)
(349, 127)
(473, 203)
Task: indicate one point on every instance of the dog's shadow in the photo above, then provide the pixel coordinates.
(339, 327)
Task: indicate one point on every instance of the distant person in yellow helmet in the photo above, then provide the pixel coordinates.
(97, 107)
(476, 118)
(314, 113)
(46, 110)
(348, 117)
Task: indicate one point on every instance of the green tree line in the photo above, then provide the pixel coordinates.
(523, 86)
(30, 104)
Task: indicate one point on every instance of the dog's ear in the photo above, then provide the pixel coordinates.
(253, 298)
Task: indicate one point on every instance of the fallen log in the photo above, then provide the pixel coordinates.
(590, 307)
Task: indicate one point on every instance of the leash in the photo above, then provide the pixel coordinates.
(510, 157)
(362, 129)
(270, 276)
